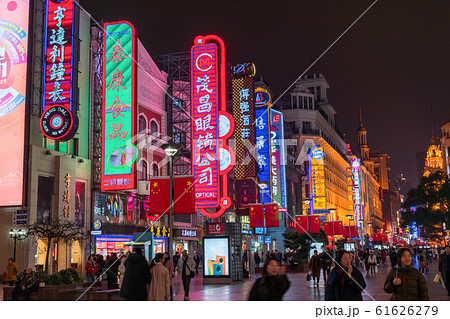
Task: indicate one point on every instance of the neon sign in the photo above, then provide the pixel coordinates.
(317, 191)
(278, 177)
(119, 107)
(262, 97)
(59, 120)
(357, 200)
(212, 157)
(263, 150)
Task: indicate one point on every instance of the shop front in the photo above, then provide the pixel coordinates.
(187, 239)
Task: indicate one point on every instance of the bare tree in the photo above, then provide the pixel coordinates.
(59, 229)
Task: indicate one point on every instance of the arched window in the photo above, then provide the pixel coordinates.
(154, 131)
(155, 170)
(143, 171)
(142, 124)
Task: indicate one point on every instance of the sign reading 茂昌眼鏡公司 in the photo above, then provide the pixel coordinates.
(118, 152)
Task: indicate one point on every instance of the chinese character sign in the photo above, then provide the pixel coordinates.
(317, 189)
(244, 115)
(263, 150)
(357, 200)
(13, 78)
(118, 154)
(277, 170)
(205, 151)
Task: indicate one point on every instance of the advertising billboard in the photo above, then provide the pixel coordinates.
(244, 114)
(13, 77)
(278, 176)
(244, 194)
(316, 174)
(216, 258)
(357, 199)
(263, 150)
(59, 119)
(119, 154)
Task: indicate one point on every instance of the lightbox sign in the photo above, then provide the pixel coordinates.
(357, 200)
(13, 72)
(244, 113)
(316, 174)
(263, 150)
(119, 106)
(59, 120)
(212, 157)
(262, 97)
(278, 176)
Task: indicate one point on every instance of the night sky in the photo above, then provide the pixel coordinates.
(393, 63)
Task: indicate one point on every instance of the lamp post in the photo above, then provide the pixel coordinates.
(332, 211)
(263, 186)
(17, 235)
(170, 149)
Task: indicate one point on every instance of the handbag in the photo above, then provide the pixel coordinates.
(308, 277)
(437, 278)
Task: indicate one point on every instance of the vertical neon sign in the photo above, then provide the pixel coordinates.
(59, 120)
(212, 158)
(316, 174)
(357, 201)
(277, 158)
(118, 127)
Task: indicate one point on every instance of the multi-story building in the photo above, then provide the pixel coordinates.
(445, 144)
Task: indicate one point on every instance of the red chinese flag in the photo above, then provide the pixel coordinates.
(301, 224)
(346, 231)
(256, 215)
(183, 195)
(338, 228)
(375, 237)
(354, 231)
(271, 214)
(314, 224)
(395, 240)
(385, 238)
(159, 195)
(328, 228)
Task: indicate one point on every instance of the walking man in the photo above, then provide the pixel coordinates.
(185, 267)
(444, 267)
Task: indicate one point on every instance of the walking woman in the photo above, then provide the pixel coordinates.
(344, 283)
(12, 271)
(314, 267)
(406, 283)
(160, 283)
(272, 285)
(91, 268)
(372, 262)
(169, 265)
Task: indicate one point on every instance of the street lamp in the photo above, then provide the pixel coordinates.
(17, 235)
(171, 149)
(307, 201)
(349, 217)
(263, 186)
(332, 211)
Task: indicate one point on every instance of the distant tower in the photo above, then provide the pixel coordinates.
(434, 160)
(363, 148)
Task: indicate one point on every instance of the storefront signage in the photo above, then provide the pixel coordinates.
(59, 119)
(263, 150)
(262, 97)
(215, 229)
(97, 225)
(277, 167)
(159, 231)
(316, 175)
(357, 200)
(66, 196)
(119, 107)
(14, 16)
(188, 233)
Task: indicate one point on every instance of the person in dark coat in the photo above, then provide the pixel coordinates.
(272, 285)
(393, 258)
(406, 283)
(314, 267)
(444, 267)
(257, 259)
(137, 276)
(344, 283)
(325, 258)
(197, 262)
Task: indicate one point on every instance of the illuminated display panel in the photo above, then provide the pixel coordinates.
(13, 72)
(216, 260)
(205, 151)
(263, 150)
(317, 189)
(244, 115)
(119, 107)
(278, 176)
(357, 200)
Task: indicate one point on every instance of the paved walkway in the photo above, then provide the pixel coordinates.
(300, 288)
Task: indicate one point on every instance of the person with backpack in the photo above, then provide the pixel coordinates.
(186, 267)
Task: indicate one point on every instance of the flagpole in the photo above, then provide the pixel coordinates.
(263, 185)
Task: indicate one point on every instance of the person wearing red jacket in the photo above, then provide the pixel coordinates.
(383, 255)
(91, 268)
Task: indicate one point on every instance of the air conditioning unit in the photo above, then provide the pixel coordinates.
(144, 187)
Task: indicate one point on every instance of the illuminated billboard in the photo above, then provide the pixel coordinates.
(316, 175)
(357, 200)
(211, 126)
(119, 107)
(278, 176)
(263, 150)
(244, 114)
(13, 77)
(216, 256)
(59, 119)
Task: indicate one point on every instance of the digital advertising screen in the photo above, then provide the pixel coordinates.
(216, 259)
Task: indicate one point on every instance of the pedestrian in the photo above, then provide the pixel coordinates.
(422, 262)
(291, 262)
(175, 258)
(444, 267)
(272, 285)
(406, 283)
(160, 281)
(101, 265)
(112, 264)
(12, 271)
(393, 258)
(169, 265)
(377, 255)
(186, 267)
(91, 268)
(257, 259)
(366, 260)
(314, 267)
(383, 256)
(122, 268)
(281, 257)
(26, 283)
(197, 262)
(344, 283)
(137, 276)
(372, 263)
(325, 258)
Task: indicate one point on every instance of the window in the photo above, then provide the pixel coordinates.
(143, 171)
(154, 131)
(155, 170)
(142, 124)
